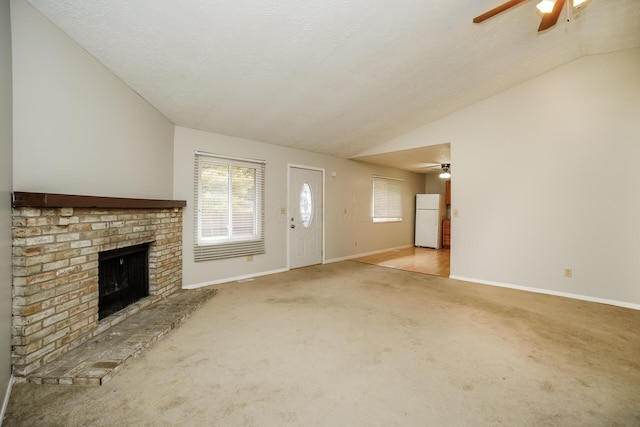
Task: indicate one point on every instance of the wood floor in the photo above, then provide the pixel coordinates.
(419, 260)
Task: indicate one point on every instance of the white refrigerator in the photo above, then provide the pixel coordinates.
(430, 211)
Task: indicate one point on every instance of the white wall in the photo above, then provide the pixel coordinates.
(433, 184)
(77, 128)
(6, 115)
(351, 190)
(546, 177)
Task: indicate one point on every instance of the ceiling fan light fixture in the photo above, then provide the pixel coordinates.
(446, 173)
(546, 6)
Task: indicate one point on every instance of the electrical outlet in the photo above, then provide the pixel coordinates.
(568, 272)
(283, 211)
(249, 257)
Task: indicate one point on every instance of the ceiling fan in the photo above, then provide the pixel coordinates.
(443, 168)
(550, 9)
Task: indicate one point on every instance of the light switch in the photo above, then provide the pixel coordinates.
(455, 212)
(283, 211)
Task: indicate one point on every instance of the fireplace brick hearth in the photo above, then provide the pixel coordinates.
(55, 267)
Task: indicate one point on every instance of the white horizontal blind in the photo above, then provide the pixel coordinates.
(228, 207)
(387, 199)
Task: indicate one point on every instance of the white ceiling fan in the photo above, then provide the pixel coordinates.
(443, 168)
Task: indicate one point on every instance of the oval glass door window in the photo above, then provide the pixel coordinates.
(306, 205)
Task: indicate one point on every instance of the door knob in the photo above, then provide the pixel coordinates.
(293, 226)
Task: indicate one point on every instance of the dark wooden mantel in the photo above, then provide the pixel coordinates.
(49, 200)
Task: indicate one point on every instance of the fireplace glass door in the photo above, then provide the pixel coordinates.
(123, 278)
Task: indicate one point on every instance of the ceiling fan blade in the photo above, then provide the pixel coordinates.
(432, 166)
(550, 19)
(493, 12)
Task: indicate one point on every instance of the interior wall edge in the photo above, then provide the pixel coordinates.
(7, 395)
(6, 186)
(234, 279)
(349, 257)
(588, 298)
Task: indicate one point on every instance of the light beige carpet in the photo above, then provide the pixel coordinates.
(352, 344)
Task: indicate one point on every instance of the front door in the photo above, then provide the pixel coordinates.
(305, 217)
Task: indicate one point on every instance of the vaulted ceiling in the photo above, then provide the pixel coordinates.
(333, 76)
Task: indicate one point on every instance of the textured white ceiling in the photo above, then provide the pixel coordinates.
(331, 76)
(427, 159)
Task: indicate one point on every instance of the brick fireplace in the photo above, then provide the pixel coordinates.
(57, 242)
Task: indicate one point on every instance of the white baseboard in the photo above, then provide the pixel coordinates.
(233, 279)
(6, 399)
(281, 270)
(346, 258)
(549, 292)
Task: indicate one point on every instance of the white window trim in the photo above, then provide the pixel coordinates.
(210, 248)
(393, 215)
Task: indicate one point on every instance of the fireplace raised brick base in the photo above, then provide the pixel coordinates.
(55, 271)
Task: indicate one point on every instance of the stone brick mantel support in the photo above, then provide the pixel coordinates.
(56, 242)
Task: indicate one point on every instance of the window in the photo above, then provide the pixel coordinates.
(306, 205)
(228, 207)
(387, 199)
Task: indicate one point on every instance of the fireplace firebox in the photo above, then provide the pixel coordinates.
(123, 278)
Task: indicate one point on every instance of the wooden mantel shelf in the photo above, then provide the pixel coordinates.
(50, 200)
